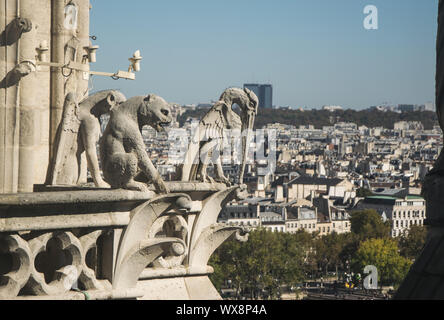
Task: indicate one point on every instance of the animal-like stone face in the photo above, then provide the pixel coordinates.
(113, 99)
(253, 100)
(156, 112)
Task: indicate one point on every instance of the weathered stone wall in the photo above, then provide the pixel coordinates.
(31, 110)
(113, 244)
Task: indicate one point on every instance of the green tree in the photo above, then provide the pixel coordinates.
(412, 242)
(307, 242)
(368, 224)
(384, 255)
(262, 264)
(328, 250)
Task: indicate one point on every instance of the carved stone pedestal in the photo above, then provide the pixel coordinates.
(113, 244)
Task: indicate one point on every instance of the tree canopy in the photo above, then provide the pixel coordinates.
(321, 118)
(368, 224)
(260, 267)
(384, 255)
(262, 264)
(412, 242)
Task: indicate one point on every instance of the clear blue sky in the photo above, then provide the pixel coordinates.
(314, 52)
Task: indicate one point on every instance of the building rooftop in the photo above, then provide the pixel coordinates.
(315, 181)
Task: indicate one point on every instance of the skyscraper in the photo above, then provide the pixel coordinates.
(264, 93)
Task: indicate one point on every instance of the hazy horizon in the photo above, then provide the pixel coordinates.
(314, 52)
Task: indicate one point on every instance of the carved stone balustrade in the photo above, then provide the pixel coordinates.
(70, 243)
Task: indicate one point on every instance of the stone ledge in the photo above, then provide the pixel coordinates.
(181, 271)
(66, 207)
(71, 197)
(68, 196)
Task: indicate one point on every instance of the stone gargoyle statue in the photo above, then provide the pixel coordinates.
(14, 31)
(210, 135)
(122, 149)
(79, 132)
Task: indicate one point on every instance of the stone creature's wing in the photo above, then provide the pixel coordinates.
(210, 127)
(65, 141)
(191, 158)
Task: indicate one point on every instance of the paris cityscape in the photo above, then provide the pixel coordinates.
(322, 176)
(235, 153)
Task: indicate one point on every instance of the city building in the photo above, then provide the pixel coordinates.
(264, 92)
(403, 212)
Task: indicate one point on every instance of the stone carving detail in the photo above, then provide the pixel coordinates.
(208, 140)
(136, 250)
(209, 240)
(14, 31)
(169, 235)
(160, 237)
(47, 264)
(61, 262)
(79, 132)
(20, 71)
(170, 226)
(122, 150)
(207, 234)
(88, 277)
(16, 256)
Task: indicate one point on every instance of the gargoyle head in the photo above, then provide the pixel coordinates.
(14, 31)
(156, 112)
(113, 99)
(253, 101)
(247, 102)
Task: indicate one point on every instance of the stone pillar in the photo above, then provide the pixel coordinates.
(31, 110)
(9, 115)
(67, 45)
(34, 99)
(57, 55)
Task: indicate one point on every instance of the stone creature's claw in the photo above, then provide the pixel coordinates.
(211, 180)
(224, 180)
(103, 185)
(137, 186)
(161, 187)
